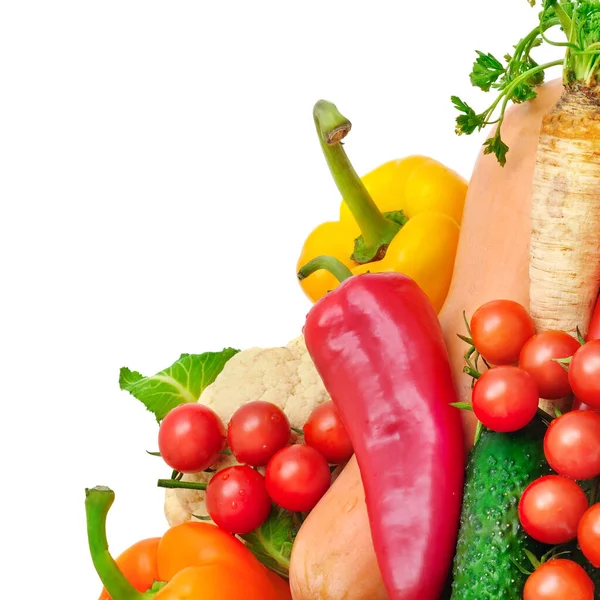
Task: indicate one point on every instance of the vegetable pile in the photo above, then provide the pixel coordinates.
(254, 439)
(334, 467)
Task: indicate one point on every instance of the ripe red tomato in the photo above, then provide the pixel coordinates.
(190, 438)
(551, 508)
(572, 444)
(559, 579)
(584, 373)
(537, 359)
(256, 431)
(237, 499)
(500, 329)
(505, 398)
(325, 432)
(297, 478)
(588, 534)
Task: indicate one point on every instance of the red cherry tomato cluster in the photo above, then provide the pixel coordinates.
(554, 509)
(523, 367)
(239, 498)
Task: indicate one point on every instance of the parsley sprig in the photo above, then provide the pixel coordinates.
(516, 76)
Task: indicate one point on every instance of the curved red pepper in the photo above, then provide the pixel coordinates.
(594, 328)
(377, 344)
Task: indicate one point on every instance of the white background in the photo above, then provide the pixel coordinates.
(159, 172)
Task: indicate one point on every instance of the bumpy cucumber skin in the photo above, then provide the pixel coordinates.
(500, 467)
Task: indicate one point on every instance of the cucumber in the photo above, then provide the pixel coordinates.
(500, 467)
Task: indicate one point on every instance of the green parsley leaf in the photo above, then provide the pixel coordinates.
(487, 69)
(468, 122)
(496, 146)
(182, 382)
(272, 542)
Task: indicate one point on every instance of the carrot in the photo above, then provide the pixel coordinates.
(564, 270)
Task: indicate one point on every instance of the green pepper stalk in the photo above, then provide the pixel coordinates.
(378, 229)
(336, 267)
(97, 504)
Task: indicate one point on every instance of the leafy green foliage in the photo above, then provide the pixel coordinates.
(272, 542)
(587, 15)
(496, 146)
(525, 91)
(467, 122)
(515, 79)
(487, 69)
(182, 382)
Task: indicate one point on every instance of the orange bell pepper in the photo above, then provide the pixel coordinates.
(139, 564)
(198, 561)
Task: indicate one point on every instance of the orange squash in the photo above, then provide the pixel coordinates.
(333, 556)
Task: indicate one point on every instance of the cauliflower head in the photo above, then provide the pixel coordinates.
(284, 376)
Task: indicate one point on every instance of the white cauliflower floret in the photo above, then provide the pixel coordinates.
(284, 376)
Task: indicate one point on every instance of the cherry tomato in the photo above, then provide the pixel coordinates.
(297, 478)
(500, 329)
(572, 444)
(551, 508)
(588, 534)
(537, 359)
(505, 398)
(325, 432)
(559, 579)
(139, 564)
(584, 373)
(237, 499)
(256, 431)
(190, 438)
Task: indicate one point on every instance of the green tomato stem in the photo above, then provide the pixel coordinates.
(183, 485)
(97, 504)
(332, 128)
(329, 263)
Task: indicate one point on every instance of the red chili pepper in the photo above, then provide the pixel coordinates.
(377, 344)
(594, 328)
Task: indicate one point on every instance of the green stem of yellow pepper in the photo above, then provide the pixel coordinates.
(97, 504)
(377, 230)
(337, 268)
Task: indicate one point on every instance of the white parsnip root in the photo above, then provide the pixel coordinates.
(564, 265)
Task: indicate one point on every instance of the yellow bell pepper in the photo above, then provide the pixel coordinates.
(424, 249)
(414, 184)
(403, 217)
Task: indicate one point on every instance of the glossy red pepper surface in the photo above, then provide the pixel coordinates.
(594, 329)
(377, 344)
